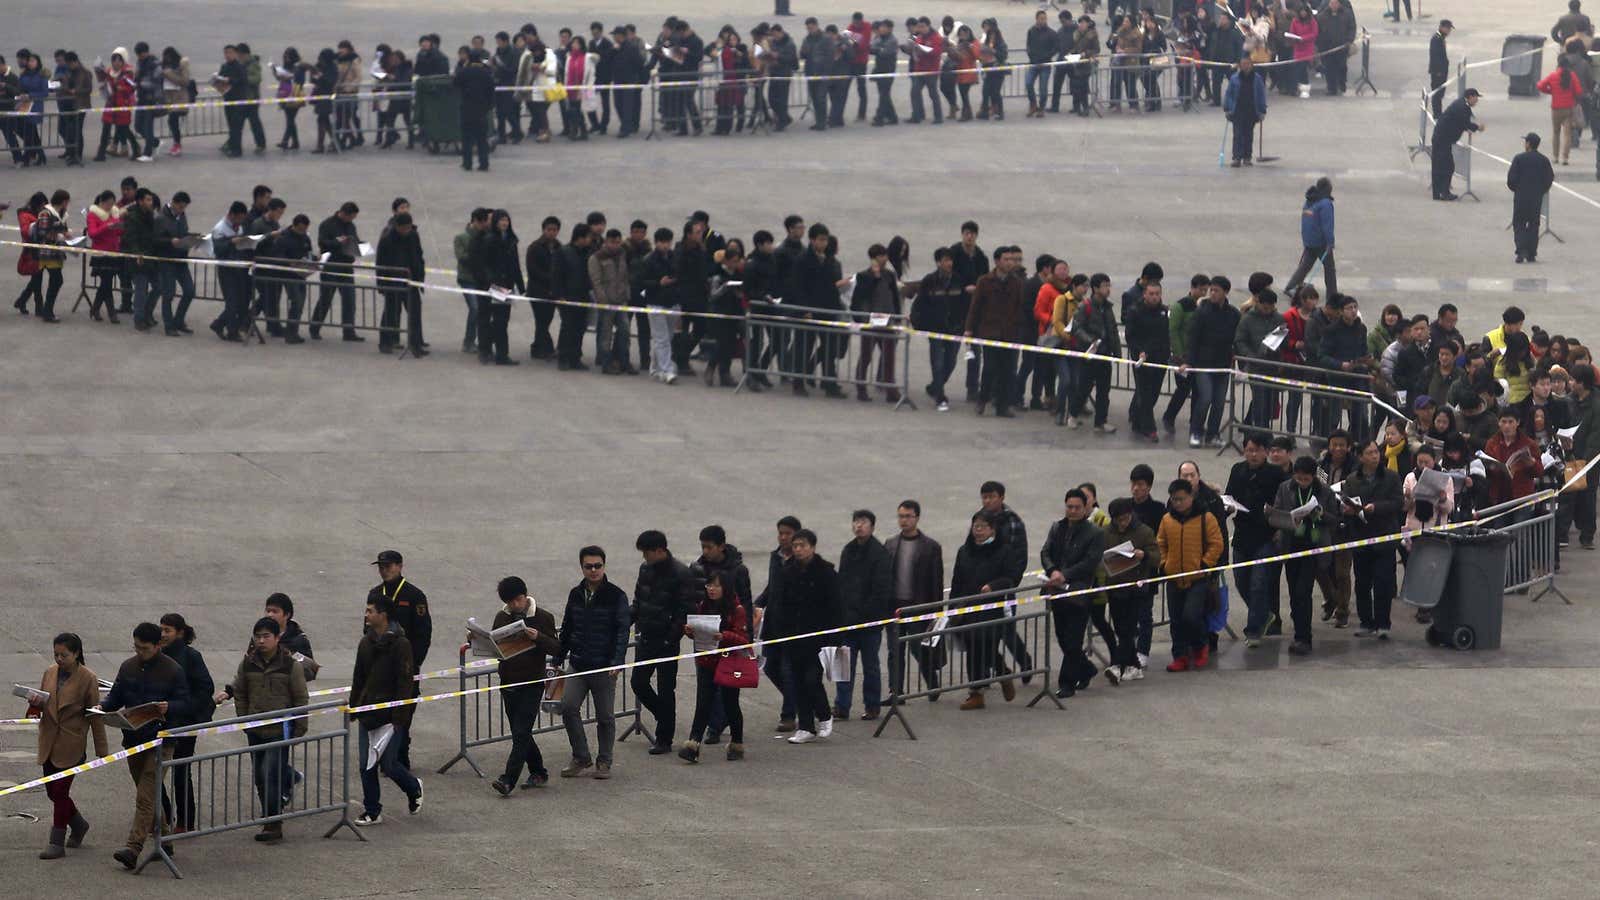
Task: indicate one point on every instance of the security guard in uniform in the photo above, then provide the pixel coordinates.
(409, 608)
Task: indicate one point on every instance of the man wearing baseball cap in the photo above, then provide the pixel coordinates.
(1529, 179)
(1456, 121)
(409, 608)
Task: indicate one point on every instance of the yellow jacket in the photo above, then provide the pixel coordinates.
(1189, 544)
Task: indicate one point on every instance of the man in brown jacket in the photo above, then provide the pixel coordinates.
(383, 675)
(1000, 311)
(918, 572)
(522, 703)
(608, 274)
(268, 680)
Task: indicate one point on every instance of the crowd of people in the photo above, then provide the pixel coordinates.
(731, 81)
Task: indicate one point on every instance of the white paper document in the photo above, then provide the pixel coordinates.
(365, 248)
(1275, 340)
(1125, 549)
(936, 633)
(707, 631)
(376, 743)
(1292, 518)
(835, 663)
(878, 320)
(1568, 433)
(1229, 503)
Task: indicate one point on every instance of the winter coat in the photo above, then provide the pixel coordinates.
(866, 581)
(262, 686)
(1319, 529)
(1095, 321)
(1074, 550)
(806, 600)
(201, 687)
(1147, 331)
(594, 629)
(1211, 335)
(980, 569)
(734, 630)
(1179, 315)
(384, 673)
(1142, 538)
(1342, 343)
(1254, 327)
(1188, 543)
(1255, 489)
(927, 569)
(1306, 30)
(1316, 219)
(662, 598)
(139, 682)
(1383, 491)
(529, 665)
(63, 726)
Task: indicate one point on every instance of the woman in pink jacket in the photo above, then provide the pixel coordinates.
(104, 228)
(1303, 33)
(1564, 89)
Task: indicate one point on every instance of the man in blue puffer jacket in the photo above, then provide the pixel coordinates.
(1316, 236)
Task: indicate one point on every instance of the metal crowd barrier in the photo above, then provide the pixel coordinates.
(1306, 412)
(483, 721)
(1174, 82)
(225, 795)
(969, 652)
(802, 349)
(1532, 558)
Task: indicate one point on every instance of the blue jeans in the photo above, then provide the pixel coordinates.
(146, 284)
(1037, 75)
(173, 276)
(1205, 411)
(389, 764)
(271, 772)
(1260, 589)
(865, 641)
(1066, 381)
(942, 363)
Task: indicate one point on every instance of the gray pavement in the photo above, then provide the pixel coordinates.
(140, 475)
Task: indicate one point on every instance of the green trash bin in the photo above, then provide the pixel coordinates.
(438, 109)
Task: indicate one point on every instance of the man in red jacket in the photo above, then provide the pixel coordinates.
(856, 55)
(927, 49)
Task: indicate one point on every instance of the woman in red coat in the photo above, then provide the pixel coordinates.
(104, 228)
(28, 261)
(120, 90)
(720, 600)
(1564, 89)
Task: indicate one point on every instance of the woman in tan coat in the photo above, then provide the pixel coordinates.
(63, 730)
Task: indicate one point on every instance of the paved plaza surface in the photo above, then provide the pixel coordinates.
(141, 475)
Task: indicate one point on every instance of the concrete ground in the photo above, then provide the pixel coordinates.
(140, 475)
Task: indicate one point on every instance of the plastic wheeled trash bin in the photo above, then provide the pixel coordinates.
(1525, 70)
(438, 111)
(1460, 576)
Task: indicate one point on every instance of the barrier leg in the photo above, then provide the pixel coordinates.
(157, 849)
(462, 753)
(1044, 689)
(344, 776)
(898, 670)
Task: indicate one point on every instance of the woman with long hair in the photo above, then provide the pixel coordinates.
(580, 87)
(505, 270)
(291, 77)
(324, 80)
(118, 88)
(71, 688)
(721, 599)
(28, 261)
(733, 63)
(177, 641)
(1565, 90)
(963, 54)
(992, 54)
(175, 78)
(104, 228)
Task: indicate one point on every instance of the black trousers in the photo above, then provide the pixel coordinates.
(1336, 71)
(493, 342)
(778, 99)
(885, 111)
(1147, 382)
(543, 314)
(475, 136)
(662, 699)
(1525, 230)
(347, 306)
(1444, 168)
(507, 116)
(522, 714)
(569, 336)
(1308, 259)
(819, 103)
(1436, 83)
(999, 370)
(811, 700)
(1125, 606)
(1244, 137)
(706, 696)
(627, 111)
(1181, 385)
(1095, 376)
(1071, 621)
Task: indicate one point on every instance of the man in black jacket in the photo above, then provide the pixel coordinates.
(540, 270)
(522, 703)
(604, 74)
(662, 599)
(149, 676)
(507, 111)
(594, 636)
(1209, 345)
(1149, 341)
(571, 282)
(627, 68)
(1336, 35)
(717, 555)
(400, 248)
(1012, 535)
(816, 287)
(1529, 179)
(917, 563)
(866, 593)
(409, 609)
(938, 297)
(1438, 67)
(475, 83)
(1455, 121)
(337, 238)
(1254, 484)
(804, 600)
(383, 673)
(1042, 44)
(1071, 557)
(970, 264)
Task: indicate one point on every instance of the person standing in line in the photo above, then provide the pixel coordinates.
(1042, 44)
(1190, 541)
(662, 598)
(400, 246)
(927, 50)
(885, 52)
(504, 268)
(917, 563)
(571, 280)
(866, 590)
(776, 665)
(1253, 482)
(1245, 104)
(1566, 93)
(1212, 331)
(657, 288)
(64, 729)
(1310, 533)
(780, 72)
(1094, 326)
(594, 638)
(1438, 66)
(1316, 238)
(74, 99)
(998, 312)
(148, 676)
(1456, 120)
(522, 701)
(383, 674)
(1150, 346)
(938, 297)
(608, 273)
(270, 679)
(475, 84)
(1378, 515)
(732, 631)
(1529, 180)
(337, 238)
(1127, 598)
(1071, 558)
(177, 641)
(806, 601)
(979, 572)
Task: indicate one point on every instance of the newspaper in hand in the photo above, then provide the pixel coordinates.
(1291, 518)
(499, 294)
(1430, 485)
(1119, 559)
(376, 743)
(936, 633)
(1567, 433)
(33, 695)
(707, 631)
(1275, 340)
(128, 718)
(511, 639)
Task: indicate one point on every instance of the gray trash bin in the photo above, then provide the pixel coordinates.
(1524, 71)
(1460, 575)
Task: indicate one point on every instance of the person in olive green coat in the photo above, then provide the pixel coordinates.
(269, 680)
(1123, 594)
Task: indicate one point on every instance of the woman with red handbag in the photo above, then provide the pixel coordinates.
(721, 674)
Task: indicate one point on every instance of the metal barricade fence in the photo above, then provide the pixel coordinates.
(803, 349)
(1532, 558)
(225, 790)
(1304, 412)
(482, 715)
(369, 293)
(1147, 83)
(967, 652)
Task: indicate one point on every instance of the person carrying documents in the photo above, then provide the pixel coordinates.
(150, 687)
(65, 694)
(1512, 459)
(1306, 514)
(1430, 495)
(1132, 553)
(523, 634)
(1372, 507)
(383, 673)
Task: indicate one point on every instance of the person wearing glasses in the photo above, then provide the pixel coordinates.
(594, 636)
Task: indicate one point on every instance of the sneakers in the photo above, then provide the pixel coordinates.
(825, 728)
(414, 803)
(1215, 443)
(365, 820)
(144, 159)
(1133, 673)
(1181, 664)
(1144, 660)
(1252, 641)
(575, 768)
(176, 150)
(1364, 631)
(1382, 633)
(502, 788)
(974, 701)
(1072, 421)
(801, 736)
(1202, 657)
(1113, 674)
(1194, 441)
(942, 406)
(1107, 428)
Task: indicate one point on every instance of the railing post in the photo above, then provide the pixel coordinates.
(462, 754)
(344, 778)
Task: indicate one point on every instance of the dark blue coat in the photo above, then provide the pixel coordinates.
(594, 633)
(1246, 112)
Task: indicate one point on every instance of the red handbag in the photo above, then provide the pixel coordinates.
(736, 670)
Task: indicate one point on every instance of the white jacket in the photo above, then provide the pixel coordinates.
(535, 76)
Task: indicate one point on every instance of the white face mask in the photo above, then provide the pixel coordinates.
(987, 542)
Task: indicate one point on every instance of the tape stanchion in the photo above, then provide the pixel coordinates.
(79, 769)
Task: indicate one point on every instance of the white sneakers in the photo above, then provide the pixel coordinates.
(825, 728)
(802, 736)
(1113, 674)
(1132, 673)
(1144, 660)
(1194, 440)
